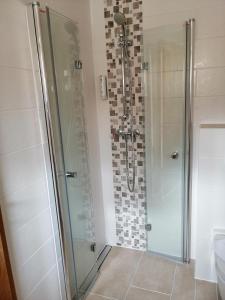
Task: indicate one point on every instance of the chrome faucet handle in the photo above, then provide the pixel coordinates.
(137, 132)
(124, 134)
(120, 132)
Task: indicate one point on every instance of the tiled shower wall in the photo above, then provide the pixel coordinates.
(130, 207)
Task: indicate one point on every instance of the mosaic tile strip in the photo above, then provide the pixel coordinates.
(130, 208)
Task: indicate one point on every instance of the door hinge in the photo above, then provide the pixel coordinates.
(148, 227)
(145, 66)
(93, 247)
(78, 64)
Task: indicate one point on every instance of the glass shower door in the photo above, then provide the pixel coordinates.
(68, 81)
(65, 96)
(164, 84)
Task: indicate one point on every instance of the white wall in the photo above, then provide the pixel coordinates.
(105, 161)
(24, 194)
(211, 195)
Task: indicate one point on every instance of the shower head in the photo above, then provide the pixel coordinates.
(120, 19)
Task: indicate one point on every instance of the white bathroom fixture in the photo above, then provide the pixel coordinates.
(220, 262)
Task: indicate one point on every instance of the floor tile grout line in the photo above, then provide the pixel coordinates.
(153, 291)
(133, 275)
(174, 279)
(102, 296)
(195, 290)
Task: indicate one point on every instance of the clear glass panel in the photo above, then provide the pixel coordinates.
(58, 153)
(164, 83)
(67, 113)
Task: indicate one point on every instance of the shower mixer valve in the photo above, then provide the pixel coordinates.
(124, 42)
(130, 133)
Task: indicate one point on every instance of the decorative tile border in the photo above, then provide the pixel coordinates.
(130, 208)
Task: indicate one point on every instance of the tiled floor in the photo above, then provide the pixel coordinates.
(134, 275)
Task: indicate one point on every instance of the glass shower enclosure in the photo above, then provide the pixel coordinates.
(60, 67)
(167, 78)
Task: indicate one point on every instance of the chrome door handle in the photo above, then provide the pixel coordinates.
(71, 174)
(174, 155)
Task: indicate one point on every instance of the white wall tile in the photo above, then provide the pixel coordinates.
(48, 286)
(210, 82)
(205, 252)
(209, 109)
(210, 52)
(155, 21)
(210, 212)
(36, 268)
(21, 169)
(212, 208)
(28, 239)
(18, 130)
(211, 194)
(15, 49)
(25, 203)
(16, 89)
(209, 21)
(207, 25)
(155, 7)
(211, 173)
(212, 143)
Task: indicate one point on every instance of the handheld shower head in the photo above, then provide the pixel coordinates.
(120, 19)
